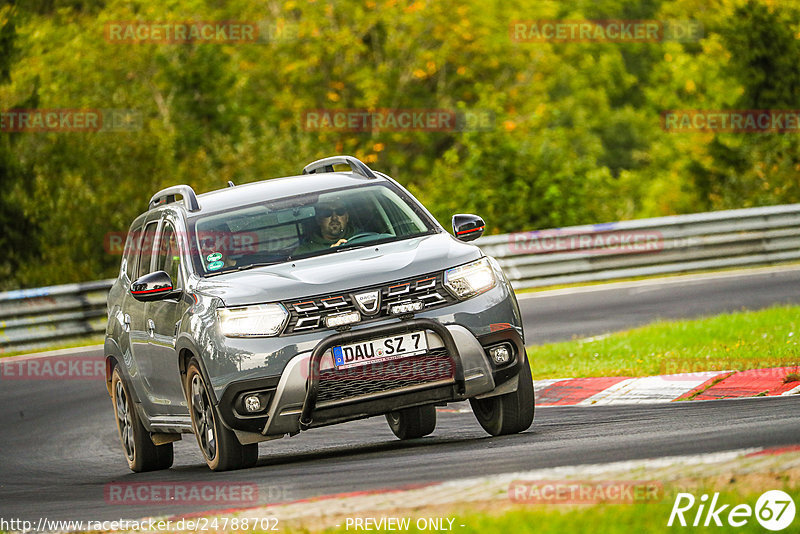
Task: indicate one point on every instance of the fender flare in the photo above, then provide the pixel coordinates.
(185, 342)
(113, 358)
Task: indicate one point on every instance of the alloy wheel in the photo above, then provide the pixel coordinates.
(204, 418)
(124, 421)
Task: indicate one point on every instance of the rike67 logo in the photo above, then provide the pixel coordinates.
(774, 510)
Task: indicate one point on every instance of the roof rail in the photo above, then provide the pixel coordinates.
(167, 196)
(326, 165)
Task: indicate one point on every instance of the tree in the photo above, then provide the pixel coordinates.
(18, 229)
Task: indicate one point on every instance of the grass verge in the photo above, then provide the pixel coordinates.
(732, 341)
(77, 342)
(641, 518)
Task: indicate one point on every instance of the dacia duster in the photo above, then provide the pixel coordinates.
(258, 311)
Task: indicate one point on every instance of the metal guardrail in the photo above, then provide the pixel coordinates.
(645, 247)
(40, 317)
(34, 318)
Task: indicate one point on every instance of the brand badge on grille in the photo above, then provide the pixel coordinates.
(369, 302)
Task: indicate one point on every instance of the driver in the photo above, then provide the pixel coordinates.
(334, 227)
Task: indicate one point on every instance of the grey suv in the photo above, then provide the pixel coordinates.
(257, 311)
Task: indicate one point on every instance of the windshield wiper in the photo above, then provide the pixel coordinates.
(380, 241)
(246, 267)
(263, 264)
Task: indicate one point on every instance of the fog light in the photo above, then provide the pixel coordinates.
(500, 354)
(252, 404)
(342, 319)
(405, 307)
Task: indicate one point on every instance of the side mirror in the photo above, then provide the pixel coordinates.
(468, 227)
(153, 286)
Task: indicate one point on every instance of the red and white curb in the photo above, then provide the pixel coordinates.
(665, 388)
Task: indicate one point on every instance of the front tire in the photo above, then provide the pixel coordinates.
(412, 423)
(140, 451)
(510, 413)
(220, 447)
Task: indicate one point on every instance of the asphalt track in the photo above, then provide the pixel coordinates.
(59, 449)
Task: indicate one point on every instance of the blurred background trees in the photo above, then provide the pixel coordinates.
(576, 137)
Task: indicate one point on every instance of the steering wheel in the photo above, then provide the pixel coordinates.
(361, 235)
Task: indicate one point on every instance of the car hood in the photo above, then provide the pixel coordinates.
(341, 271)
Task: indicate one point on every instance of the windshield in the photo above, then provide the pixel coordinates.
(304, 226)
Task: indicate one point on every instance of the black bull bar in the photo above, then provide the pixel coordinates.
(342, 338)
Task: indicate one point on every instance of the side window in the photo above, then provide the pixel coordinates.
(129, 253)
(146, 249)
(169, 257)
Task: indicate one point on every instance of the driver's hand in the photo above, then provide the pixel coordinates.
(340, 242)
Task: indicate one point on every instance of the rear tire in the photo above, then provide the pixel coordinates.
(411, 423)
(510, 413)
(219, 446)
(140, 451)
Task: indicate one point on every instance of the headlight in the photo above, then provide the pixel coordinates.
(252, 321)
(470, 279)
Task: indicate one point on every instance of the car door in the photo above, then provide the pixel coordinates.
(162, 318)
(138, 362)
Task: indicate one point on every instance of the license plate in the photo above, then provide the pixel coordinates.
(379, 350)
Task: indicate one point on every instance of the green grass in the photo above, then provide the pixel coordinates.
(78, 342)
(734, 341)
(643, 518)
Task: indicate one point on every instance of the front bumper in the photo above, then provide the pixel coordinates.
(296, 405)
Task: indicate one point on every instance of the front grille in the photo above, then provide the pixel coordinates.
(308, 314)
(383, 377)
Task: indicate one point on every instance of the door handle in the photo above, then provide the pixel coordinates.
(126, 322)
(151, 328)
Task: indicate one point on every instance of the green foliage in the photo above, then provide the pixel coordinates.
(17, 226)
(576, 138)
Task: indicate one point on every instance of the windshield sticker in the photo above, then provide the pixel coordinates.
(214, 256)
(215, 265)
